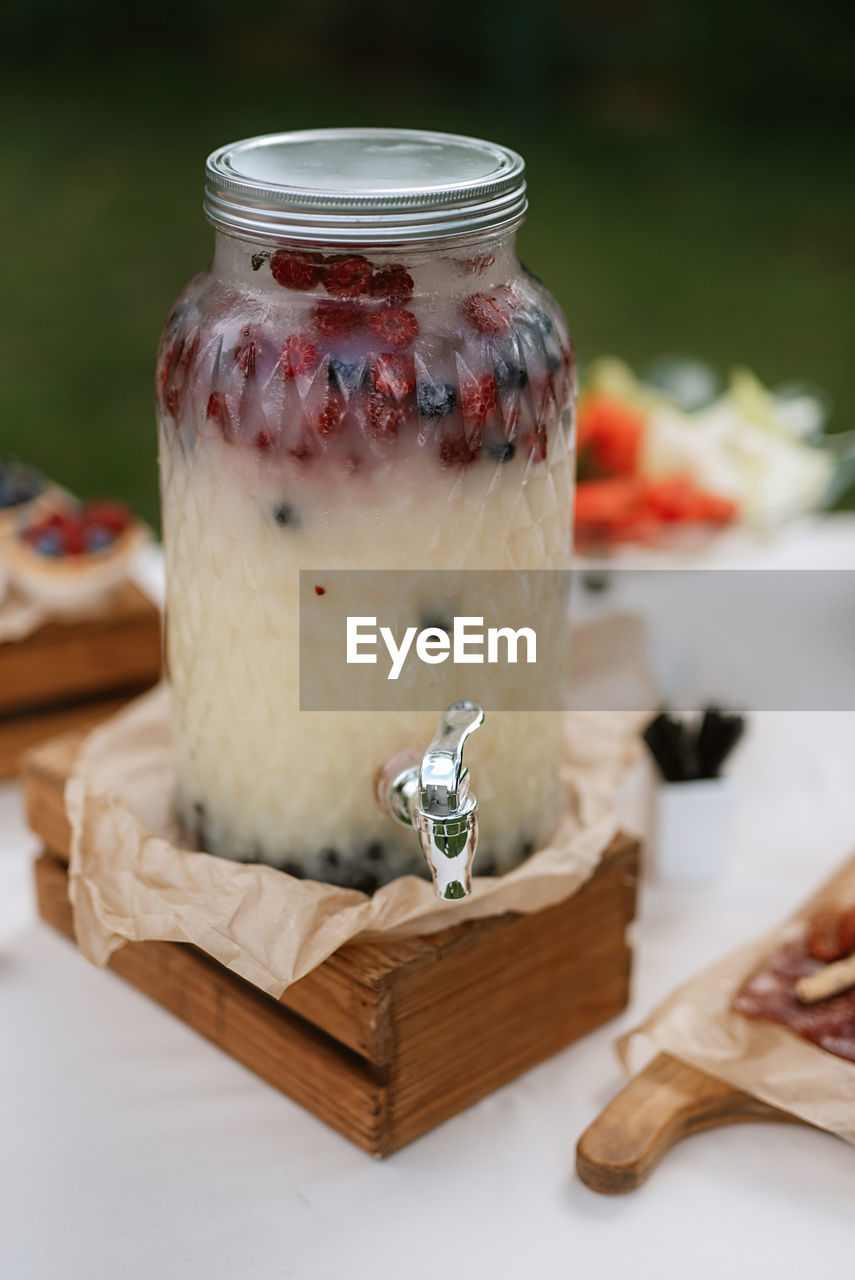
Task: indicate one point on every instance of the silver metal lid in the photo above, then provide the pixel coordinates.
(363, 186)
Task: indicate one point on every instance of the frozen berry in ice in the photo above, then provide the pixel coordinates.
(285, 516)
(478, 399)
(536, 442)
(384, 418)
(393, 375)
(246, 350)
(500, 450)
(172, 400)
(299, 355)
(510, 374)
(487, 314)
(460, 449)
(295, 269)
(217, 411)
(393, 283)
(264, 441)
(394, 326)
(338, 319)
(347, 275)
(435, 399)
(347, 375)
(332, 414)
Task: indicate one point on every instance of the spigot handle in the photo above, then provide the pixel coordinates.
(443, 780)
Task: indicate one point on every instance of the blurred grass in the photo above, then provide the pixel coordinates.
(730, 246)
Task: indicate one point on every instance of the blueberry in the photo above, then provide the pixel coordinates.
(286, 517)
(500, 450)
(435, 399)
(510, 375)
(365, 881)
(97, 538)
(542, 321)
(346, 374)
(50, 543)
(200, 825)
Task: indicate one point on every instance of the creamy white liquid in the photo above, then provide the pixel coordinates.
(258, 778)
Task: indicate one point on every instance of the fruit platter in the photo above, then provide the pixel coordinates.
(673, 458)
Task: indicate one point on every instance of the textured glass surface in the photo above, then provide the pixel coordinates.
(325, 411)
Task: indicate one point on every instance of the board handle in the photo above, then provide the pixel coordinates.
(664, 1103)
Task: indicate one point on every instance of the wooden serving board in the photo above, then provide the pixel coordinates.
(384, 1041)
(664, 1103)
(74, 673)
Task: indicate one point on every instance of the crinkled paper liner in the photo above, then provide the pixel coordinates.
(131, 881)
(698, 1025)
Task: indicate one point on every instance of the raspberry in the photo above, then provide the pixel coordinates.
(331, 415)
(264, 442)
(217, 411)
(347, 276)
(486, 314)
(172, 400)
(299, 355)
(187, 355)
(338, 319)
(478, 399)
(246, 350)
(536, 442)
(384, 419)
(296, 270)
(459, 449)
(475, 266)
(393, 375)
(303, 450)
(394, 326)
(393, 283)
(114, 516)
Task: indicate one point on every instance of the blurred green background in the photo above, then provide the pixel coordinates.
(690, 169)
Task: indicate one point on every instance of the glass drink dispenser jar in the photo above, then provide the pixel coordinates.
(364, 378)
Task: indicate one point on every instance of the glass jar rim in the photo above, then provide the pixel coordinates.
(364, 187)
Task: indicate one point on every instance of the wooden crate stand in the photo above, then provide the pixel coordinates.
(384, 1041)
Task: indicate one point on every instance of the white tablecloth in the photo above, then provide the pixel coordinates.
(132, 1149)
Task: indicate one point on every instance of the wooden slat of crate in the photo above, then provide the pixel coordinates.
(422, 1027)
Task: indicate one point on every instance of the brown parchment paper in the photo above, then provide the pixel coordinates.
(697, 1025)
(131, 880)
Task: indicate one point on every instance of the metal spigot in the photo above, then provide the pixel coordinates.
(432, 795)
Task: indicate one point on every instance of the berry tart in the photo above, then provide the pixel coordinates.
(71, 554)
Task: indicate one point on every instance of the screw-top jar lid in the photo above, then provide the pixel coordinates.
(363, 186)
